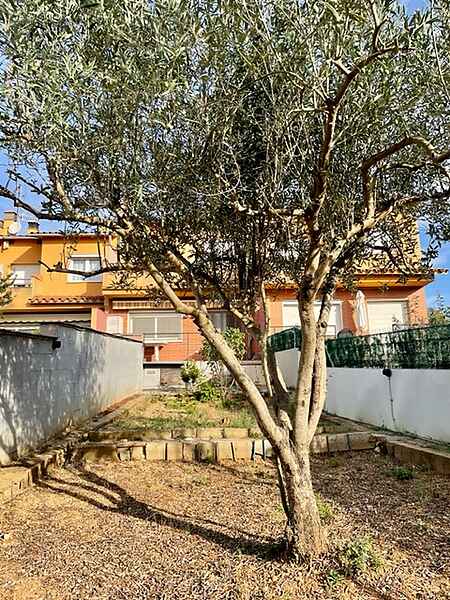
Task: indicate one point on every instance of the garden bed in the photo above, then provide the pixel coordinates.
(181, 531)
(154, 412)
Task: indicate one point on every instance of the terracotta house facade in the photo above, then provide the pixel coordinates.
(97, 302)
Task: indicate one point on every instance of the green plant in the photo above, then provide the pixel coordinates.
(208, 391)
(190, 372)
(402, 473)
(358, 556)
(325, 509)
(235, 338)
(333, 578)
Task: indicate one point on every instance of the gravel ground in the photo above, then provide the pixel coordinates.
(186, 531)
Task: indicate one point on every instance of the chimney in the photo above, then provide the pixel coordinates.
(9, 219)
(33, 227)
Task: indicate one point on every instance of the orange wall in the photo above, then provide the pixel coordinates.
(415, 297)
(50, 251)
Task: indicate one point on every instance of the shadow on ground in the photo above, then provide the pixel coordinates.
(118, 500)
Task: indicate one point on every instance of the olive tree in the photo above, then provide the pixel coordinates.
(232, 147)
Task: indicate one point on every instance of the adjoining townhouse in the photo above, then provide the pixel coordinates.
(99, 302)
(40, 295)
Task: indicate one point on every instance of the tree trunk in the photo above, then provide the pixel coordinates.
(305, 536)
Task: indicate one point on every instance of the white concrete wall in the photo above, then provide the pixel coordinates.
(287, 361)
(414, 401)
(42, 389)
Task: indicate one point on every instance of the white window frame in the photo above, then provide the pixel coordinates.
(155, 340)
(25, 281)
(402, 300)
(336, 328)
(74, 278)
(117, 329)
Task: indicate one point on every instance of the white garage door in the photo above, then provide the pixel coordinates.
(291, 317)
(384, 315)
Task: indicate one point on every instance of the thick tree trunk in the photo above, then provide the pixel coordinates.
(305, 536)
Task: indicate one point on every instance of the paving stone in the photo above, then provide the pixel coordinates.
(150, 435)
(155, 450)
(174, 451)
(268, 450)
(224, 450)
(46, 459)
(189, 451)
(205, 451)
(258, 449)
(242, 449)
(361, 441)
(138, 452)
(35, 467)
(337, 442)
(319, 444)
(209, 433)
(417, 455)
(97, 453)
(124, 454)
(183, 433)
(235, 433)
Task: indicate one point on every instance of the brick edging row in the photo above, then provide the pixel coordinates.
(213, 450)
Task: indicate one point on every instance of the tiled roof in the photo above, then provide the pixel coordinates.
(66, 300)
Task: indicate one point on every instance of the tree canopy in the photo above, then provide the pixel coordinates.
(232, 146)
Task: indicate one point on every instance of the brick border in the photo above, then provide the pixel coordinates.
(211, 449)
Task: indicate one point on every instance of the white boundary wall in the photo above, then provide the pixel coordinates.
(413, 401)
(43, 389)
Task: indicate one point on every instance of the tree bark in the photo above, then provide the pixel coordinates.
(305, 536)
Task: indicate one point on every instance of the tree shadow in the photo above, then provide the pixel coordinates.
(115, 499)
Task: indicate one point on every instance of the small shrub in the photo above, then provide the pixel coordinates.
(190, 372)
(333, 578)
(402, 473)
(325, 509)
(358, 556)
(208, 391)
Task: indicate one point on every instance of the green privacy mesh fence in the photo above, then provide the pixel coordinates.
(416, 348)
(285, 339)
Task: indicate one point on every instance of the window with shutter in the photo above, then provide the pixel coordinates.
(22, 274)
(157, 327)
(291, 316)
(114, 324)
(86, 264)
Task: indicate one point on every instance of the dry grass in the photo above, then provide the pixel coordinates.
(181, 531)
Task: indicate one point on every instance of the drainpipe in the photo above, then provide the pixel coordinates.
(387, 372)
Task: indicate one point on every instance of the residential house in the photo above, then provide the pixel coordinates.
(100, 302)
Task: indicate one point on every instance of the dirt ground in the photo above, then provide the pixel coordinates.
(187, 531)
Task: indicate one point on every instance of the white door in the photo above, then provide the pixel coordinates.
(291, 317)
(383, 315)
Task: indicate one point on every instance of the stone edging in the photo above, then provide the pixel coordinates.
(211, 450)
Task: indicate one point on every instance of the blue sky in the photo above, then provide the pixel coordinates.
(441, 284)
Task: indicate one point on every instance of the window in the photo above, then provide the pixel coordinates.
(22, 274)
(87, 264)
(386, 315)
(114, 324)
(156, 327)
(291, 316)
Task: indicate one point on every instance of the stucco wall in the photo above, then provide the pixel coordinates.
(42, 389)
(412, 401)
